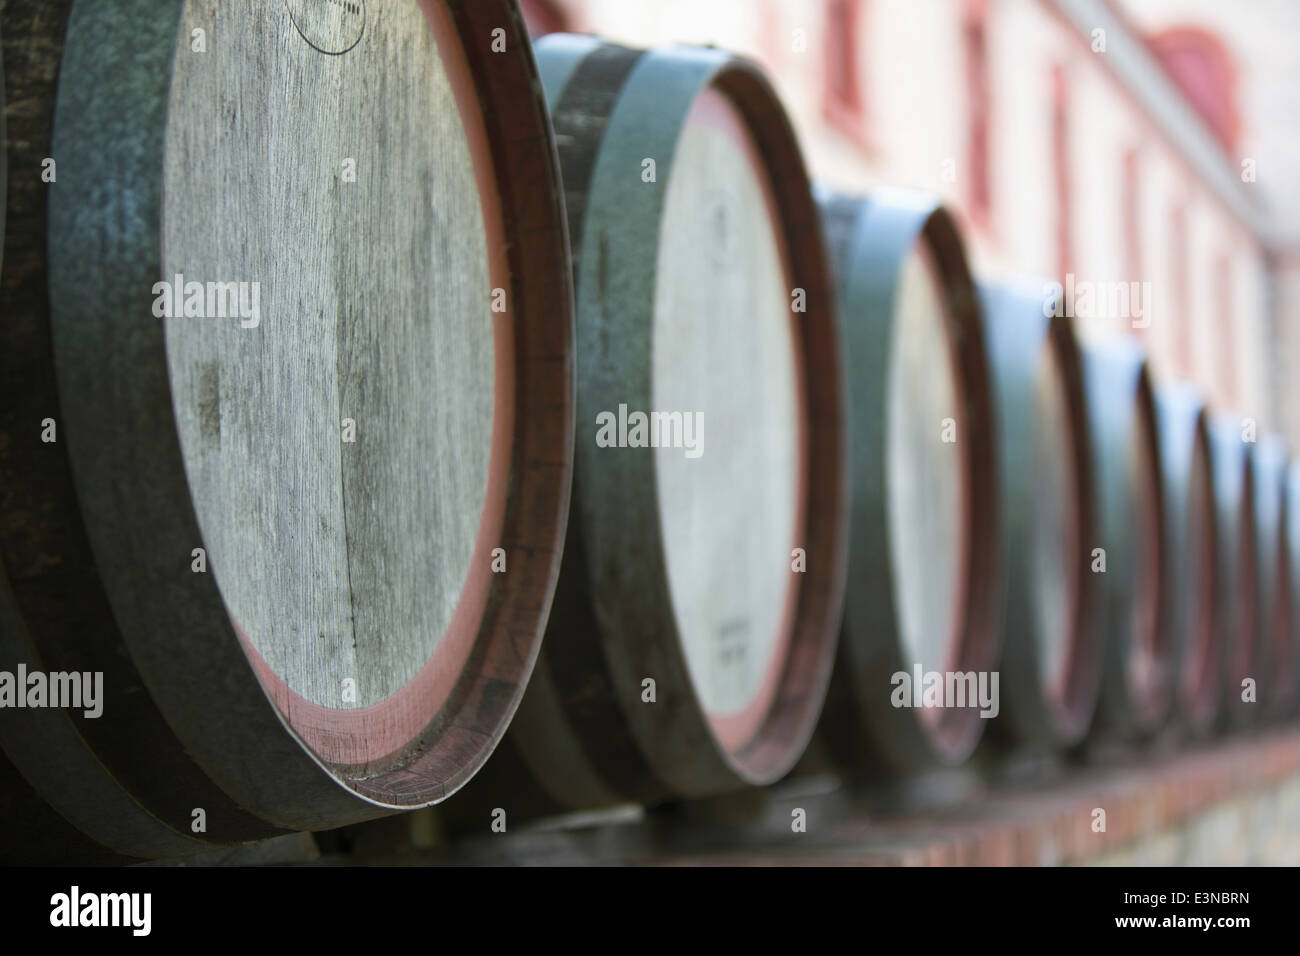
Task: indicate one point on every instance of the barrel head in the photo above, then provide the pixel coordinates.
(312, 324)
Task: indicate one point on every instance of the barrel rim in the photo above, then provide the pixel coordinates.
(1075, 704)
(959, 730)
(814, 633)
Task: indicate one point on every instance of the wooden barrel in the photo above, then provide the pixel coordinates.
(1234, 497)
(1275, 667)
(923, 597)
(300, 492)
(1050, 661)
(1192, 593)
(694, 623)
(1130, 553)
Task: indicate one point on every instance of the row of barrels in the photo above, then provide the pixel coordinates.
(371, 377)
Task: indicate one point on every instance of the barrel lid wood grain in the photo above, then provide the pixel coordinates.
(1137, 687)
(1234, 495)
(924, 592)
(1276, 666)
(311, 314)
(1192, 595)
(1050, 662)
(695, 618)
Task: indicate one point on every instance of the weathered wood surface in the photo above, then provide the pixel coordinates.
(349, 457)
(678, 569)
(1137, 681)
(1193, 592)
(379, 315)
(1051, 648)
(732, 516)
(924, 567)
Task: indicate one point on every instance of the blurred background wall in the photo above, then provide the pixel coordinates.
(1098, 142)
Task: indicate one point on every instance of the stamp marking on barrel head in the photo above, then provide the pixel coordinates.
(732, 650)
(721, 217)
(332, 27)
(733, 634)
